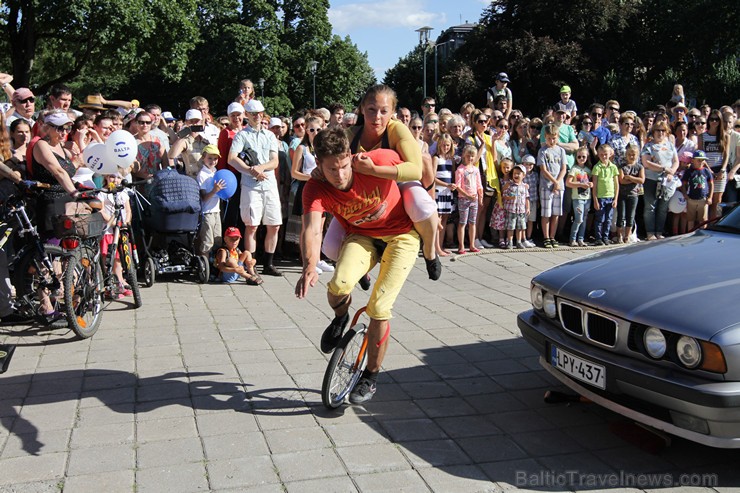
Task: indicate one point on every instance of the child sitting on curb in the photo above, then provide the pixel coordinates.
(232, 263)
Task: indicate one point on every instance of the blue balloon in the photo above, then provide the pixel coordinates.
(230, 180)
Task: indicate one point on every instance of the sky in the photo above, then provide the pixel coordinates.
(385, 29)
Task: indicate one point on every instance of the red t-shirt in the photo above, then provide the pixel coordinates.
(372, 206)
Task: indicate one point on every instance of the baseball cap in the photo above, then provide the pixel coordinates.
(58, 119)
(502, 77)
(686, 156)
(232, 232)
(564, 89)
(168, 116)
(700, 155)
(22, 93)
(234, 108)
(529, 159)
(193, 115)
(275, 122)
(211, 149)
(521, 168)
(254, 106)
(560, 110)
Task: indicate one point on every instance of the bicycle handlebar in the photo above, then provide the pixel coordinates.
(123, 186)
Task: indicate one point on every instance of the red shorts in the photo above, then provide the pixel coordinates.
(104, 243)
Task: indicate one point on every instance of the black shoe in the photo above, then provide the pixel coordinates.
(434, 268)
(365, 282)
(599, 242)
(6, 352)
(270, 270)
(13, 319)
(333, 333)
(363, 391)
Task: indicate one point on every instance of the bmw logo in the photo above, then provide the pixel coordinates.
(596, 293)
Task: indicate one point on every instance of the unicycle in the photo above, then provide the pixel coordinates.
(346, 364)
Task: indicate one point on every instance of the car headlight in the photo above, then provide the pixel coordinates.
(689, 351)
(655, 343)
(549, 306)
(537, 297)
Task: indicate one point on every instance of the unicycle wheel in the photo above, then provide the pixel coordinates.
(345, 367)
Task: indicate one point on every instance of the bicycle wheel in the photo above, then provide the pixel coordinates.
(83, 293)
(33, 281)
(129, 269)
(345, 367)
(202, 270)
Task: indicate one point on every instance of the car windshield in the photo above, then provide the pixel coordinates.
(729, 223)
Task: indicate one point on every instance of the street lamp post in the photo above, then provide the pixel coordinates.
(261, 83)
(423, 42)
(313, 65)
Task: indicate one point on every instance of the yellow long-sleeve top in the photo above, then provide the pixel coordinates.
(401, 141)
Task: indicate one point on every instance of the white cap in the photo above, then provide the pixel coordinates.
(234, 108)
(168, 116)
(193, 115)
(275, 122)
(529, 159)
(254, 106)
(58, 119)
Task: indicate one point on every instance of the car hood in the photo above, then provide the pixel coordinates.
(689, 284)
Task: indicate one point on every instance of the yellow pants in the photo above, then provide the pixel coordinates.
(360, 253)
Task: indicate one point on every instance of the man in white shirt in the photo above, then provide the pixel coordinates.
(24, 103)
(260, 199)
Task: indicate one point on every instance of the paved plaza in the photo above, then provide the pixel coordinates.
(217, 388)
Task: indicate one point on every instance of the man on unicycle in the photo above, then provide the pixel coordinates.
(367, 202)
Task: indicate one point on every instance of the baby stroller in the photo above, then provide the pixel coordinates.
(170, 226)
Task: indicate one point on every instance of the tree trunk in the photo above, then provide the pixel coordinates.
(22, 35)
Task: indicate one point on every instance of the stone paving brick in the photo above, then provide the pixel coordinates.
(309, 464)
(458, 478)
(169, 452)
(392, 482)
(235, 445)
(38, 443)
(239, 473)
(373, 458)
(180, 478)
(166, 429)
(110, 482)
(296, 439)
(86, 435)
(100, 459)
(324, 485)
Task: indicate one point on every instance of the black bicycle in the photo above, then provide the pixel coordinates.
(36, 268)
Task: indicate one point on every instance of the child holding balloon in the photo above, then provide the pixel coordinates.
(210, 225)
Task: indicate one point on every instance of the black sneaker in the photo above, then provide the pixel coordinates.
(363, 391)
(333, 333)
(434, 268)
(13, 319)
(599, 242)
(6, 352)
(365, 282)
(270, 270)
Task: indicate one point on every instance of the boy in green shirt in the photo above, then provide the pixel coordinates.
(606, 187)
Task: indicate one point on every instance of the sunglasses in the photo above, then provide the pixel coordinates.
(680, 109)
(629, 124)
(588, 123)
(482, 121)
(713, 119)
(535, 127)
(430, 105)
(144, 122)
(597, 114)
(416, 127)
(503, 127)
(700, 122)
(314, 130)
(63, 128)
(613, 108)
(28, 100)
(295, 125)
(432, 121)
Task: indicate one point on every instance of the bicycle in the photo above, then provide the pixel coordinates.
(124, 245)
(347, 363)
(37, 268)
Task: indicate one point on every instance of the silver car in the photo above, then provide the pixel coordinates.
(650, 331)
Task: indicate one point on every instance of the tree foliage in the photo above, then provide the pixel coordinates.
(164, 51)
(631, 50)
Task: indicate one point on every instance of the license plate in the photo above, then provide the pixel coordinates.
(578, 368)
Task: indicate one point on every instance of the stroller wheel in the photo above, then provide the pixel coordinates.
(150, 272)
(202, 269)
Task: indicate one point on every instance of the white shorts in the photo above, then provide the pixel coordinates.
(260, 207)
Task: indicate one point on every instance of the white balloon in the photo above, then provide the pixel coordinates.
(677, 204)
(95, 156)
(122, 148)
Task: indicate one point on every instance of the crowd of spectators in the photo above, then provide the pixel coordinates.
(537, 154)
